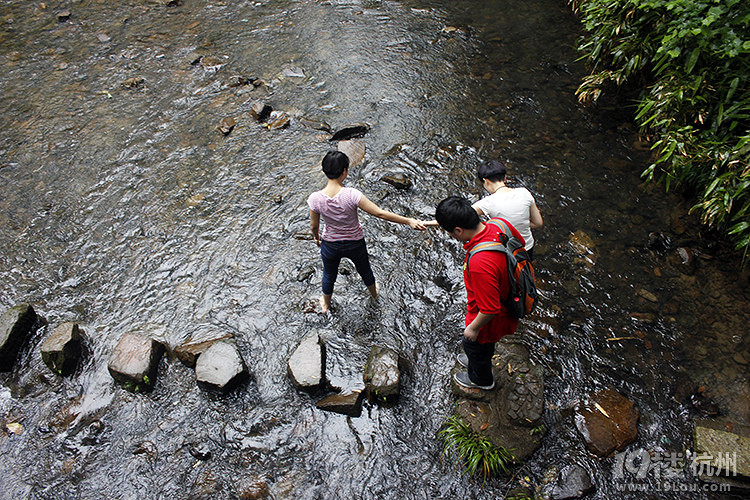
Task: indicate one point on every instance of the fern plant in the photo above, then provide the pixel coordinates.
(475, 452)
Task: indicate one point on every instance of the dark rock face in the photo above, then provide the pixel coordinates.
(134, 361)
(347, 404)
(15, 326)
(306, 365)
(382, 376)
(607, 421)
(61, 351)
(509, 415)
(220, 367)
(351, 132)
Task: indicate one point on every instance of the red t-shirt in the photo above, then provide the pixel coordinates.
(487, 286)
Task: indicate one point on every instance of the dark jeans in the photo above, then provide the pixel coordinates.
(480, 361)
(332, 251)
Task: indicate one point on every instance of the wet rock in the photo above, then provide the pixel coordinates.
(103, 38)
(314, 124)
(607, 421)
(226, 125)
(277, 120)
(188, 351)
(354, 150)
(715, 441)
(260, 111)
(239, 81)
(305, 273)
(63, 16)
(220, 367)
(147, 448)
(645, 294)
(573, 482)
(253, 489)
(686, 261)
(134, 361)
(201, 450)
(306, 364)
(133, 83)
(211, 64)
(350, 132)
(659, 242)
(581, 243)
(508, 416)
(16, 325)
(382, 376)
(293, 72)
(399, 181)
(171, 3)
(346, 404)
(61, 351)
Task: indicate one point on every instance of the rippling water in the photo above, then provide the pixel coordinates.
(125, 209)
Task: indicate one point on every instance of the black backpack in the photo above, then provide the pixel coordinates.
(523, 293)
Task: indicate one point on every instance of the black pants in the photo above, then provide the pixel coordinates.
(480, 361)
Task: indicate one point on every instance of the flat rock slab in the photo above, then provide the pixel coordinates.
(306, 365)
(346, 404)
(61, 351)
(724, 445)
(607, 421)
(16, 325)
(134, 361)
(220, 367)
(382, 376)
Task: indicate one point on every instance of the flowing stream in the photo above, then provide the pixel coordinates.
(123, 208)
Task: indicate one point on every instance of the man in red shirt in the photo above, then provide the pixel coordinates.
(487, 286)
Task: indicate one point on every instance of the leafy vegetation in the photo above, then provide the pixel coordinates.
(472, 450)
(690, 62)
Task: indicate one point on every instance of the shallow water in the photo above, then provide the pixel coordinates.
(125, 209)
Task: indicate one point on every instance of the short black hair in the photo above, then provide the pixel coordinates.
(334, 164)
(492, 170)
(456, 211)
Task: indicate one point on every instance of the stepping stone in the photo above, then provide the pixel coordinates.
(134, 362)
(220, 367)
(306, 364)
(61, 351)
(16, 325)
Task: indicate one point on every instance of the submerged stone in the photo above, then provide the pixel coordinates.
(306, 364)
(573, 482)
(16, 325)
(220, 367)
(61, 351)
(226, 125)
(354, 150)
(277, 119)
(260, 111)
(607, 421)
(382, 376)
(399, 181)
(134, 361)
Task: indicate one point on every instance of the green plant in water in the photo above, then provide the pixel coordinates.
(474, 451)
(538, 430)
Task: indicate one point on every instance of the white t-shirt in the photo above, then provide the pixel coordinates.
(512, 205)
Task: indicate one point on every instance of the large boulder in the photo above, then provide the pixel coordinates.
(306, 365)
(16, 325)
(61, 351)
(220, 367)
(508, 416)
(382, 376)
(607, 421)
(134, 362)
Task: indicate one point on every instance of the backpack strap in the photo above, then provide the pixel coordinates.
(503, 227)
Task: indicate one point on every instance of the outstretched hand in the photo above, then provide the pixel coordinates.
(416, 224)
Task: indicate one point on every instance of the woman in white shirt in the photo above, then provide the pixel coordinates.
(516, 205)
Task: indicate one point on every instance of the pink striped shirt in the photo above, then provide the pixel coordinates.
(339, 214)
